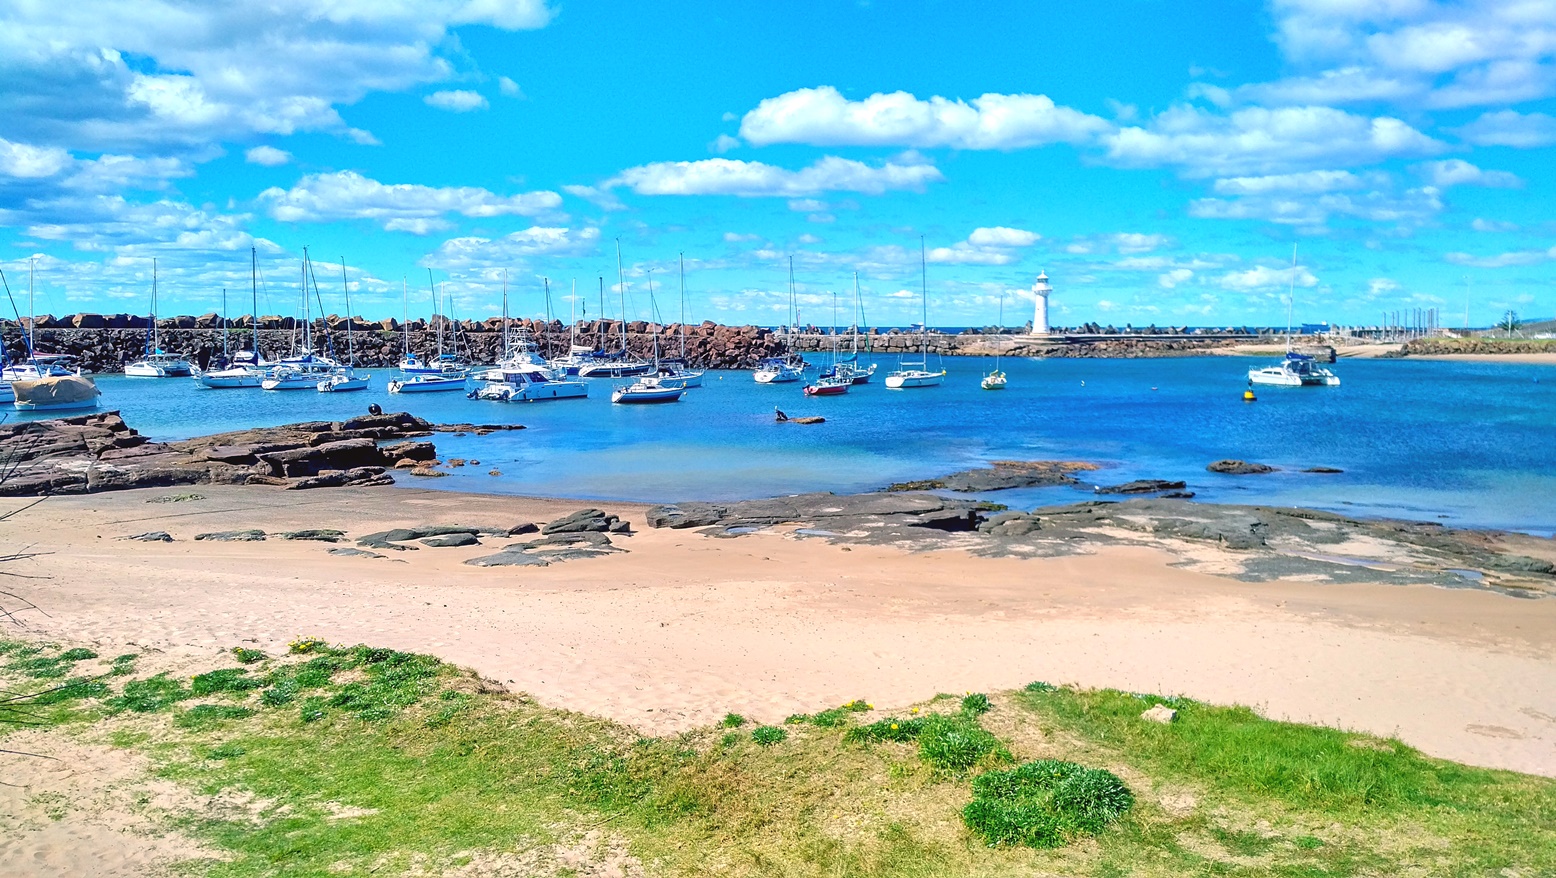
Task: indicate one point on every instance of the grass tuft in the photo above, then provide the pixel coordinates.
(888, 729)
(1037, 687)
(955, 743)
(768, 735)
(248, 656)
(72, 690)
(225, 680)
(1044, 804)
(208, 716)
(975, 704)
(150, 695)
(732, 721)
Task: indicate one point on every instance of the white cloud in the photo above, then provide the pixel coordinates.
(808, 205)
(1175, 278)
(268, 156)
(36, 176)
(756, 179)
(399, 207)
(1502, 260)
(1380, 285)
(723, 143)
(111, 75)
(808, 239)
(737, 238)
(456, 101)
(25, 161)
(601, 198)
(1484, 225)
(487, 257)
(1135, 242)
(1001, 236)
(1510, 128)
(1429, 54)
(509, 88)
(1256, 140)
(823, 117)
(1458, 172)
(1305, 182)
(1262, 277)
(1413, 206)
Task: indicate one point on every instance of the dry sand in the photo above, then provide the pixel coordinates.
(686, 627)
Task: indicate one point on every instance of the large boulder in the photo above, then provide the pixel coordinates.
(1239, 468)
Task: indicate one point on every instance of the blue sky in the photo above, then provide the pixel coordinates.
(1158, 160)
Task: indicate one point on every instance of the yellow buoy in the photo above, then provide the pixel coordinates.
(1248, 396)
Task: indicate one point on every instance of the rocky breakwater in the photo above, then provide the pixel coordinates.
(100, 452)
(104, 343)
(1423, 347)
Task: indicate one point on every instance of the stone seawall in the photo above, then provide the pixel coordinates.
(104, 343)
(1429, 346)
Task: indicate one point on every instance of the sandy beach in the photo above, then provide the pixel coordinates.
(685, 627)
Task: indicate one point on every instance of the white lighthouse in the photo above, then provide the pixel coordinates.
(1040, 290)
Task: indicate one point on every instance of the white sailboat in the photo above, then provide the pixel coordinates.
(649, 388)
(623, 364)
(849, 367)
(345, 378)
(1295, 370)
(831, 383)
(791, 366)
(995, 380)
(678, 372)
(245, 368)
(45, 382)
(303, 370)
(157, 363)
(911, 374)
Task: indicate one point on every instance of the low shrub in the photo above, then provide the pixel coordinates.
(71, 690)
(975, 703)
(732, 721)
(888, 729)
(1038, 686)
(77, 655)
(248, 656)
(150, 695)
(206, 716)
(305, 645)
(768, 735)
(830, 719)
(1045, 803)
(123, 665)
(796, 719)
(225, 680)
(955, 743)
(858, 705)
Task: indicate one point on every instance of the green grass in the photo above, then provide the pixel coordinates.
(433, 770)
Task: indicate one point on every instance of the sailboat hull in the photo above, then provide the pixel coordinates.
(906, 380)
(231, 378)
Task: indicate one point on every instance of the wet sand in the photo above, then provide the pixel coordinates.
(685, 627)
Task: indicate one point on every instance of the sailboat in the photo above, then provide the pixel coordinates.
(917, 374)
(1296, 370)
(831, 383)
(45, 382)
(578, 356)
(791, 366)
(303, 370)
(345, 378)
(623, 364)
(246, 368)
(649, 388)
(995, 380)
(849, 367)
(680, 374)
(157, 363)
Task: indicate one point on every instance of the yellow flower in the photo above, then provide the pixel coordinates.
(894, 727)
(914, 710)
(869, 705)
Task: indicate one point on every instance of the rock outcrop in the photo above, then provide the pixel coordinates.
(1239, 468)
(1004, 474)
(100, 452)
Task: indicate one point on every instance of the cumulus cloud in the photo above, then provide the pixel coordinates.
(757, 179)
(1469, 53)
(723, 143)
(1480, 224)
(268, 156)
(1502, 260)
(32, 175)
(1256, 140)
(111, 75)
(398, 207)
(1262, 277)
(1510, 128)
(1411, 207)
(487, 257)
(823, 117)
(456, 101)
(509, 88)
(1001, 236)
(1457, 172)
(1175, 278)
(1305, 182)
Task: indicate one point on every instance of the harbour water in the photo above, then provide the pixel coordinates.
(1467, 444)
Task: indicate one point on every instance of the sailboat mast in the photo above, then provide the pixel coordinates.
(545, 334)
(572, 318)
(254, 298)
(154, 346)
(351, 350)
(923, 281)
(224, 324)
(1291, 295)
(621, 287)
(32, 313)
(505, 312)
(682, 259)
(859, 317)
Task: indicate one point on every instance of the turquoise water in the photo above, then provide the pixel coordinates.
(1470, 444)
